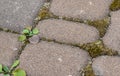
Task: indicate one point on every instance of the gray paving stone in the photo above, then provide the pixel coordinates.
(8, 47)
(106, 66)
(17, 14)
(52, 59)
(112, 37)
(68, 32)
(83, 9)
(1, 75)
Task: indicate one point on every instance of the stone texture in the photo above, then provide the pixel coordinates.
(68, 32)
(112, 37)
(17, 14)
(1, 75)
(106, 66)
(8, 47)
(52, 59)
(34, 39)
(83, 9)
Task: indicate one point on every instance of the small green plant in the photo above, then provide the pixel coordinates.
(28, 32)
(6, 71)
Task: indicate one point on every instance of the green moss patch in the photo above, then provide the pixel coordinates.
(88, 71)
(100, 25)
(43, 13)
(97, 48)
(73, 19)
(115, 5)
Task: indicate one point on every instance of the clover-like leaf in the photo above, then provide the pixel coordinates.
(15, 64)
(19, 72)
(5, 69)
(1, 68)
(22, 38)
(35, 31)
(25, 31)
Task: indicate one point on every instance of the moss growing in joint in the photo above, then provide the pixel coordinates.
(43, 13)
(97, 48)
(8, 30)
(88, 71)
(73, 19)
(101, 25)
(115, 5)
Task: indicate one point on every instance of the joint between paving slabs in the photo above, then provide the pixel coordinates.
(101, 25)
(115, 5)
(94, 49)
(21, 50)
(87, 70)
(8, 30)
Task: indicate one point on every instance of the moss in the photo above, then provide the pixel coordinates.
(115, 5)
(88, 71)
(100, 25)
(73, 19)
(44, 13)
(97, 48)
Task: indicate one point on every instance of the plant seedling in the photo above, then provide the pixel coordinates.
(12, 71)
(27, 33)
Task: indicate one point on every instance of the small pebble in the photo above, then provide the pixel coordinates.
(35, 39)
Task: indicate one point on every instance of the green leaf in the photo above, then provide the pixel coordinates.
(22, 38)
(1, 68)
(19, 72)
(15, 64)
(35, 31)
(31, 33)
(6, 75)
(25, 31)
(5, 69)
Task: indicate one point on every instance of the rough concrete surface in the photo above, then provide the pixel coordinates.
(68, 32)
(9, 47)
(83, 9)
(52, 59)
(17, 14)
(106, 66)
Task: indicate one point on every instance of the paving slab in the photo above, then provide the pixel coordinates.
(17, 14)
(83, 9)
(52, 59)
(67, 32)
(112, 37)
(9, 47)
(106, 66)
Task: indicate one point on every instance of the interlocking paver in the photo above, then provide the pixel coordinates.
(9, 47)
(106, 66)
(52, 59)
(112, 37)
(17, 14)
(55, 56)
(68, 32)
(83, 9)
